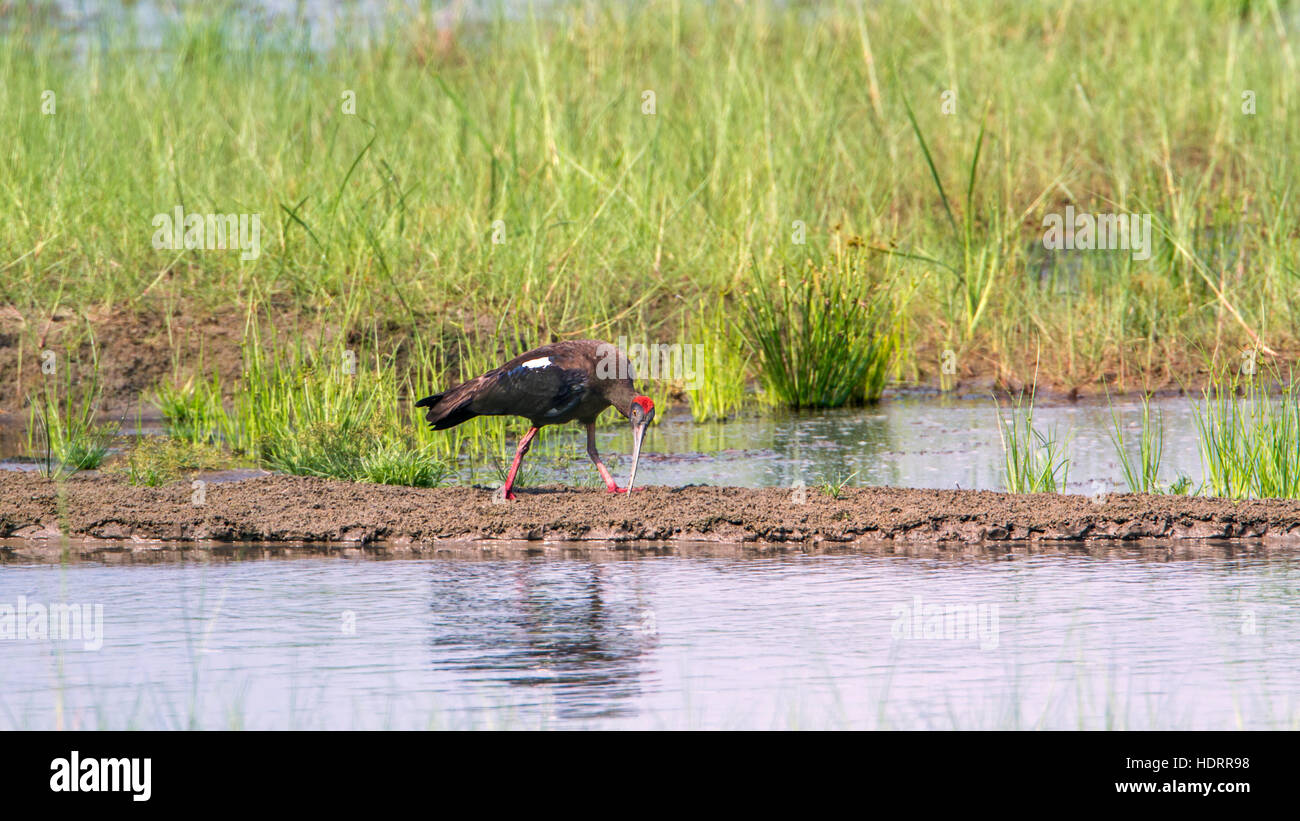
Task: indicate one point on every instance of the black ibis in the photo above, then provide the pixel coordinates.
(551, 385)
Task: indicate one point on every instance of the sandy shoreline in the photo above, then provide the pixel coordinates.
(292, 509)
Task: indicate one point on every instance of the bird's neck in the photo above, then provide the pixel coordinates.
(620, 394)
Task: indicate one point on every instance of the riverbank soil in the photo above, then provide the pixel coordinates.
(415, 520)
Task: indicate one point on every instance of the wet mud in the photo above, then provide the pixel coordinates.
(270, 509)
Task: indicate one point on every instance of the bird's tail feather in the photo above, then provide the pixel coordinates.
(447, 409)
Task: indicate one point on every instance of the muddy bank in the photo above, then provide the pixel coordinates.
(134, 350)
(137, 350)
(288, 509)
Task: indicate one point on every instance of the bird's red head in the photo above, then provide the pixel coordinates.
(641, 411)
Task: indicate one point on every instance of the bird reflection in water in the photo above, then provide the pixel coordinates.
(578, 631)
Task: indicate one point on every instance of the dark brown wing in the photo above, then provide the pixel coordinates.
(546, 385)
(543, 384)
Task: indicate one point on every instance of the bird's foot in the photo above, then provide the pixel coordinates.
(617, 489)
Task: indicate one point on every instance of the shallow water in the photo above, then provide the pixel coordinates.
(1124, 638)
(904, 442)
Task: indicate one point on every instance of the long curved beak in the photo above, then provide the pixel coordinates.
(638, 434)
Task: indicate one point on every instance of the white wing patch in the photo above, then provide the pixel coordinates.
(540, 362)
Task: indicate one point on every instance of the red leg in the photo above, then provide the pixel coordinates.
(524, 443)
(600, 466)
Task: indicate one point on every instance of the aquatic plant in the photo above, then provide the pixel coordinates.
(63, 433)
(192, 410)
(1249, 439)
(328, 410)
(823, 337)
(372, 455)
(1142, 473)
(1033, 461)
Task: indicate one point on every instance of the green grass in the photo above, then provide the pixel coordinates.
(1141, 470)
(327, 407)
(981, 250)
(834, 486)
(63, 431)
(392, 462)
(614, 221)
(191, 411)
(1034, 461)
(1249, 439)
(721, 389)
(330, 410)
(157, 460)
(824, 335)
